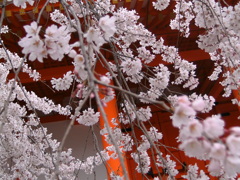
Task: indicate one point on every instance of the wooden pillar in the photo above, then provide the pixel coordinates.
(113, 165)
(111, 110)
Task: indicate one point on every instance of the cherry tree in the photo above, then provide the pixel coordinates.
(84, 32)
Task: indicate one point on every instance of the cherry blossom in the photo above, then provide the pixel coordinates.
(161, 4)
(4, 29)
(107, 24)
(182, 115)
(88, 117)
(22, 3)
(168, 164)
(144, 114)
(192, 173)
(215, 168)
(57, 41)
(213, 127)
(194, 147)
(63, 83)
(32, 43)
(233, 143)
(94, 37)
(143, 161)
(193, 129)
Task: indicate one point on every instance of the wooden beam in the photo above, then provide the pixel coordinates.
(53, 118)
(194, 55)
(216, 89)
(57, 72)
(37, 5)
(132, 5)
(159, 19)
(226, 107)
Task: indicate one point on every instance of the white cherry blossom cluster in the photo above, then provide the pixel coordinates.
(132, 68)
(61, 19)
(4, 29)
(123, 140)
(185, 69)
(209, 102)
(3, 74)
(186, 74)
(132, 65)
(167, 164)
(126, 26)
(57, 41)
(144, 114)
(23, 3)
(31, 72)
(207, 139)
(145, 55)
(103, 7)
(141, 156)
(130, 114)
(115, 177)
(231, 82)
(161, 4)
(79, 8)
(33, 102)
(184, 16)
(13, 61)
(64, 83)
(88, 117)
(92, 162)
(26, 144)
(79, 65)
(98, 35)
(151, 136)
(158, 83)
(55, 44)
(143, 160)
(108, 93)
(216, 73)
(94, 37)
(193, 173)
(220, 39)
(107, 24)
